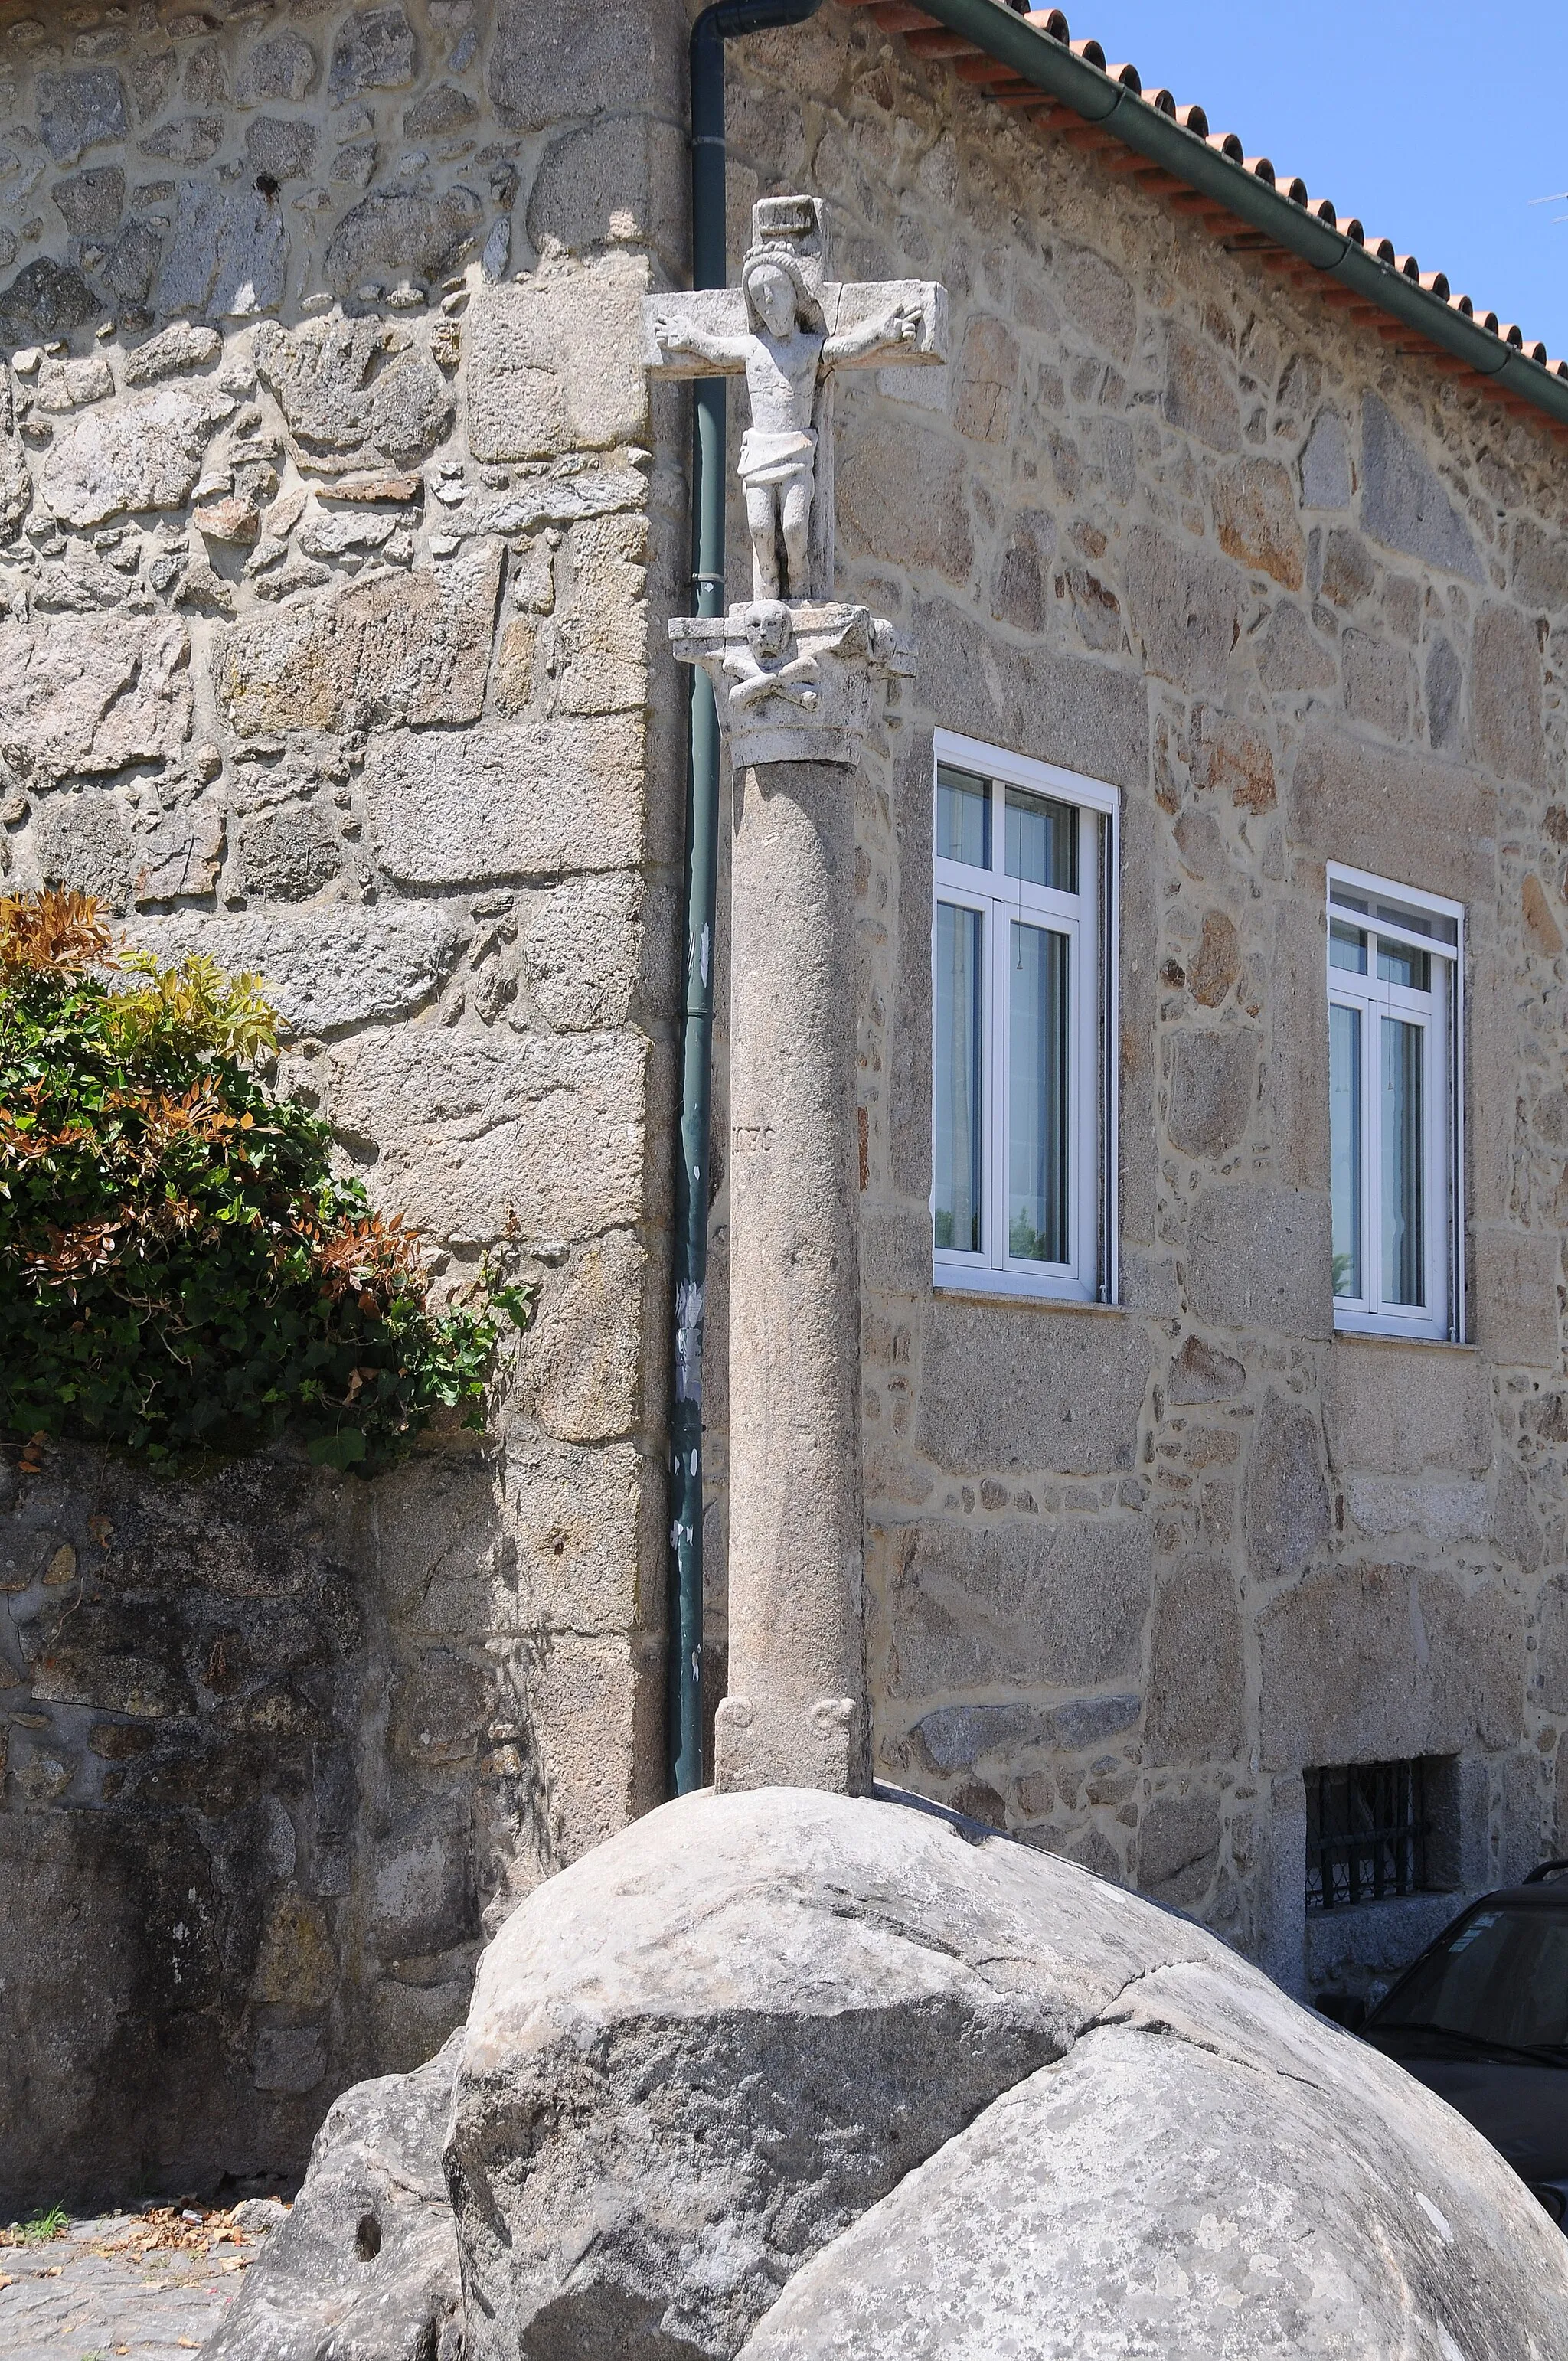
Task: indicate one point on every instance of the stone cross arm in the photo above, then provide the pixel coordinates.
(705, 332)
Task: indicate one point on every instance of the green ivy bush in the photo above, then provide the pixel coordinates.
(181, 1271)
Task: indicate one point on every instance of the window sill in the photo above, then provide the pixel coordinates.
(973, 1291)
(1404, 1344)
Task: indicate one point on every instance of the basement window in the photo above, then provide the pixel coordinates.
(1396, 988)
(1368, 1831)
(1023, 976)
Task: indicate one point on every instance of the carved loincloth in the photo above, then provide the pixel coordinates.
(777, 458)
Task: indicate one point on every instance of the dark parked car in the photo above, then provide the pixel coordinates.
(1482, 2019)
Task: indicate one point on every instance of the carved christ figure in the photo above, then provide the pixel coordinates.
(786, 354)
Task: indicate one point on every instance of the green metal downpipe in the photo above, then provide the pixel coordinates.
(727, 21)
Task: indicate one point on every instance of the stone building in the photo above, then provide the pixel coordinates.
(342, 526)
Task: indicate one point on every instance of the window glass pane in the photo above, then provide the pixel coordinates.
(1042, 840)
(959, 1013)
(963, 818)
(1347, 947)
(1344, 1146)
(1037, 1104)
(1397, 964)
(1403, 1192)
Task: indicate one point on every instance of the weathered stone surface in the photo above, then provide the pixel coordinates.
(339, 412)
(862, 2011)
(549, 63)
(1514, 1301)
(579, 1367)
(80, 110)
(1255, 519)
(1343, 1682)
(530, 799)
(1506, 691)
(986, 379)
(1093, 715)
(335, 967)
(1353, 803)
(84, 841)
(1200, 393)
(900, 497)
(91, 201)
(1097, 297)
(956, 1737)
(1179, 1849)
(180, 857)
(554, 362)
(374, 50)
(368, 2259)
(1214, 1082)
(1210, 2170)
(1062, 1604)
(1403, 504)
(606, 184)
(1380, 683)
(227, 255)
(189, 139)
(387, 648)
(1289, 655)
(1258, 1258)
(1198, 1679)
(1287, 1498)
(289, 850)
(1445, 687)
(73, 385)
(479, 1129)
(286, 150)
(1553, 1661)
(1399, 1409)
(184, 346)
(394, 232)
(582, 951)
(48, 300)
(92, 694)
(282, 65)
(441, 110)
(1384, 1507)
(1201, 1373)
(1077, 1416)
(145, 456)
(1184, 606)
(1541, 566)
(1325, 465)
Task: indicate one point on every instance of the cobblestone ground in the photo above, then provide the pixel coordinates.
(122, 2285)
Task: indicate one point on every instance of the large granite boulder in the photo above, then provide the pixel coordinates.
(786, 2074)
(365, 2268)
(797, 2074)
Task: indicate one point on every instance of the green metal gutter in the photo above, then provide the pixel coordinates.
(1060, 73)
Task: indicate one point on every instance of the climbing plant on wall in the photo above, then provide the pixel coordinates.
(182, 1269)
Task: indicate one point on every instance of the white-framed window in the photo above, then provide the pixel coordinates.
(1396, 1110)
(1023, 1199)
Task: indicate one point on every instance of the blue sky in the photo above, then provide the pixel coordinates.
(1434, 124)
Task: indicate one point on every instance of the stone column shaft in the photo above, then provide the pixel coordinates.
(795, 1710)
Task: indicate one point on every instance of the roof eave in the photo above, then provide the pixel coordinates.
(1088, 92)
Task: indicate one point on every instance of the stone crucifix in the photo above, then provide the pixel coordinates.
(799, 681)
(788, 329)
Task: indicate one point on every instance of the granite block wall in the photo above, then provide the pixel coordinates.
(1166, 522)
(328, 495)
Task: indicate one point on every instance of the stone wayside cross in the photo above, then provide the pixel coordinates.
(798, 681)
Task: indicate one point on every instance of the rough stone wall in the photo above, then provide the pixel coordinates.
(1132, 1570)
(326, 506)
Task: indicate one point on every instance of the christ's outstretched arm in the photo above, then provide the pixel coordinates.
(675, 336)
(899, 326)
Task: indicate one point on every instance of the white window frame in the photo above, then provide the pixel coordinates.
(1089, 919)
(1442, 1012)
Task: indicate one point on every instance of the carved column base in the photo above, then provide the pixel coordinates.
(822, 1745)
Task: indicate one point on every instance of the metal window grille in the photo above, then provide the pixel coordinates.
(1366, 1833)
